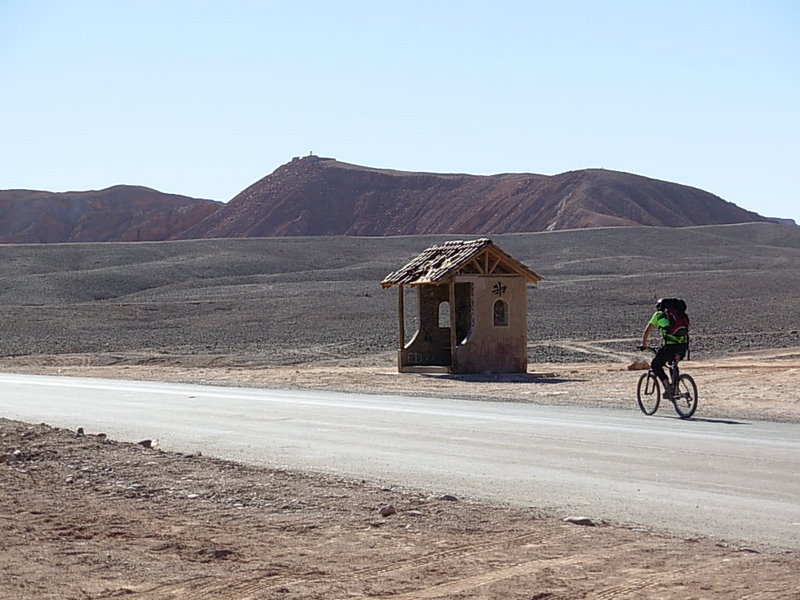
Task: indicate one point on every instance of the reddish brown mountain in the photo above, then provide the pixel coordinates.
(318, 196)
(120, 213)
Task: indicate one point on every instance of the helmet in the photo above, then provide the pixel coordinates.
(671, 304)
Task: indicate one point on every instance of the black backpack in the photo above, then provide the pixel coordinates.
(675, 310)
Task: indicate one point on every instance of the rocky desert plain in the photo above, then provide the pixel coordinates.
(83, 516)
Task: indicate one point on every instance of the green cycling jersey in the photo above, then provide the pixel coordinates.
(661, 320)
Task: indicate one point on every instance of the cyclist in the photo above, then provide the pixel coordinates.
(674, 346)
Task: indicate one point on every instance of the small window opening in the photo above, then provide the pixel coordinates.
(500, 313)
(444, 314)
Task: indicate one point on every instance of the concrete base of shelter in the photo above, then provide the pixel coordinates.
(424, 369)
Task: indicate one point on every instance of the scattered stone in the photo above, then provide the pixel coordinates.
(8, 458)
(387, 510)
(70, 479)
(79, 433)
(448, 498)
(146, 443)
(749, 550)
(585, 521)
(414, 513)
(638, 365)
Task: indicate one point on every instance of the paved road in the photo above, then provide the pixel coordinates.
(733, 480)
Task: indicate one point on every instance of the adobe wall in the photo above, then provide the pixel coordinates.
(498, 349)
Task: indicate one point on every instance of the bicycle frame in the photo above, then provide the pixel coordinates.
(682, 387)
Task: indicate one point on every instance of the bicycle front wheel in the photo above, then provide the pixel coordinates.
(685, 397)
(648, 393)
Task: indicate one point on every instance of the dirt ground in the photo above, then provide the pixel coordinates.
(85, 517)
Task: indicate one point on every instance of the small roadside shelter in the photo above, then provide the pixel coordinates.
(472, 309)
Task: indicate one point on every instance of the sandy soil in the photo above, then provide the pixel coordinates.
(85, 517)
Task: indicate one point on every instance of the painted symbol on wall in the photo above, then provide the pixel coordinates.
(498, 289)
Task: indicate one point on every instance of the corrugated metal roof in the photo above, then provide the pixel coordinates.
(438, 263)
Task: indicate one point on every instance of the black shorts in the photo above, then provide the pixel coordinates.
(665, 354)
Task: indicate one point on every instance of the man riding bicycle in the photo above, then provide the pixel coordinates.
(676, 340)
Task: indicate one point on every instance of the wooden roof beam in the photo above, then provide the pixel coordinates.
(474, 262)
(497, 261)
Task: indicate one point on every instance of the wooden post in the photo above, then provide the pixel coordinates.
(453, 321)
(401, 316)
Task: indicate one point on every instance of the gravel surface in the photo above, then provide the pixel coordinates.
(283, 301)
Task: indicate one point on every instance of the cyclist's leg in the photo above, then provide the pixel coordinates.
(661, 358)
(680, 350)
(677, 352)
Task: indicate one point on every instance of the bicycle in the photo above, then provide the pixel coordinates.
(684, 390)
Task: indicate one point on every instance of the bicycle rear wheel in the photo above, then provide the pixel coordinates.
(648, 393)
(685, 398)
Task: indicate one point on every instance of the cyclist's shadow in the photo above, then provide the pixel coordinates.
(705, 420)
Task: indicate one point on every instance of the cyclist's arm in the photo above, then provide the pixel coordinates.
(646, 334)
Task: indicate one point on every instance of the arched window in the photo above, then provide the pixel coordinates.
(500, 313)
(444, 314)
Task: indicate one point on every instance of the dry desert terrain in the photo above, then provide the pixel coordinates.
(86, 517)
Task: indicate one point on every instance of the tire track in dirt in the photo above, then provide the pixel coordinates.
(590, 348)
(635, 587)
(256, 586)
(467, 584)
(240, 588)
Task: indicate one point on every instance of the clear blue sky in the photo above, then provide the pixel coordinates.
(203, 98)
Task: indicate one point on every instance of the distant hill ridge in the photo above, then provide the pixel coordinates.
(119, 213)
(321, 196)
(313, 196)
